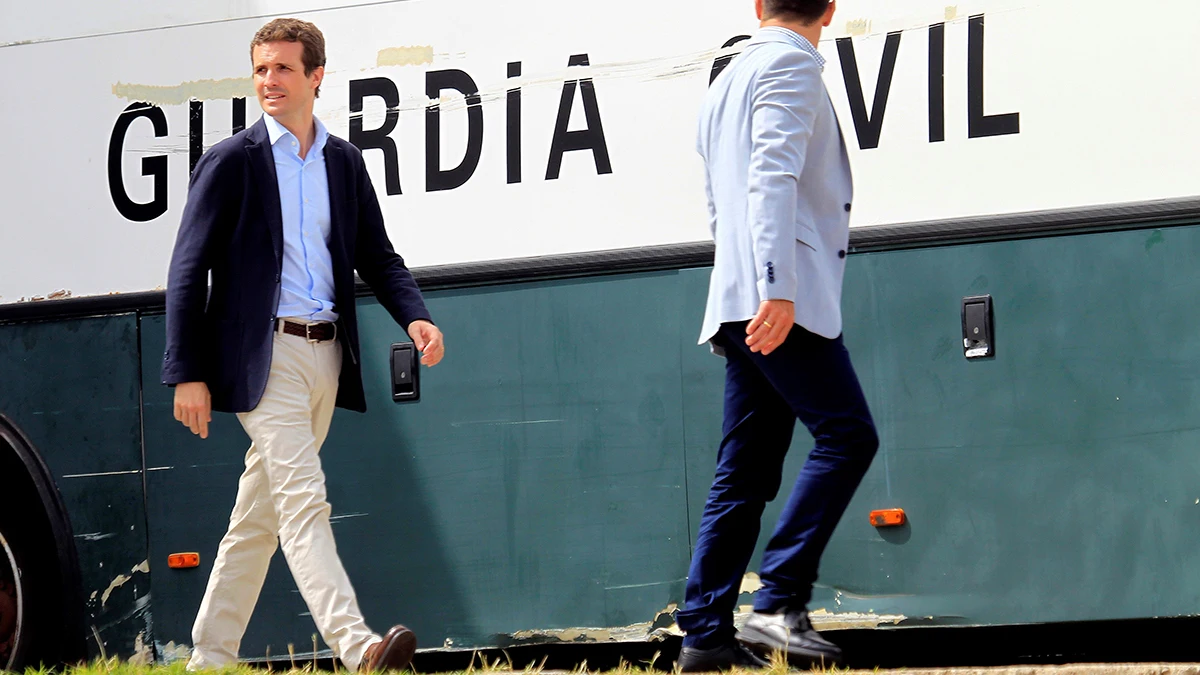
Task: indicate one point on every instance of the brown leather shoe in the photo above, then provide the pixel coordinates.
(394, 653)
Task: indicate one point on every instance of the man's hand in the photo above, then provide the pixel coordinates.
(193, 406)
(770, 327)
(428, 339)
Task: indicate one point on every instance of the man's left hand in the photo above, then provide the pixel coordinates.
(428, 339)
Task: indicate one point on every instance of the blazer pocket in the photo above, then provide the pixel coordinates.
(806, 236)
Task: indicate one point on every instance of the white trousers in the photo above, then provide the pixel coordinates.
(281, 500)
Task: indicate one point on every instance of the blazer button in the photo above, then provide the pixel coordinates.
(841, 254)
(847, 207)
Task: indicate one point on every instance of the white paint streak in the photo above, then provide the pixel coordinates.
(825, 620)
(103, 473)
(654, 631)
(405, 56)
(122, 579)
(751, 583)
(178, 94)
(171, 652)
(142, 654)
(116, 473)
(644, 70)
(878, 26)
(95, 536)
(347, 515)
(653, 583)
(502, 423)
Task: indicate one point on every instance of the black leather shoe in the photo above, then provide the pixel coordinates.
(692, 660)
(791, 633)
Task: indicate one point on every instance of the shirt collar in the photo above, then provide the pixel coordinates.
(781, 34)
(276, 131)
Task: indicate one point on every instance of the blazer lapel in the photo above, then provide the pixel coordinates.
(340, 222)
(262, 164)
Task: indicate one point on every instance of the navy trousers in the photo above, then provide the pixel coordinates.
(807, 377)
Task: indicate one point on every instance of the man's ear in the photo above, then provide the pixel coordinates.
(829, 13)
(318, 75)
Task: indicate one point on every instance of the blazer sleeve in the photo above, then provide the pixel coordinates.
(701, 141)
(208, 206)
(377, 261)
(783, 110)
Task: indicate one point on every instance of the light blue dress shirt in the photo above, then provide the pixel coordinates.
(306, 283)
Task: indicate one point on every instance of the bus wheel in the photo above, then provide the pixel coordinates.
(13, 638)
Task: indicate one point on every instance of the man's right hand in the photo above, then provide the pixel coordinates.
(193, 406)
(770, 327)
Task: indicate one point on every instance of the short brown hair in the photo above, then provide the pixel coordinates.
(294, 30)
(807, 11)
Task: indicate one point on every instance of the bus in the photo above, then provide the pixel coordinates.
(1021, 301)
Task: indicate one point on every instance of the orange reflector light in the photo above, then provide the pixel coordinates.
(181, 560)
(888, 517)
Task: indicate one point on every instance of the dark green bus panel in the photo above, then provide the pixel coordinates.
(538, 484)
(550, 481)
(1058, 480)
(75, 515)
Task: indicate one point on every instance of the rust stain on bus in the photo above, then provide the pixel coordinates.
(121, 580)
(416, 55)
(178, 94)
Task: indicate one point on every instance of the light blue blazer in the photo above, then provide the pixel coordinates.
(779, 186)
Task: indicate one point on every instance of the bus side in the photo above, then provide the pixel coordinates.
(552, 476)
(550, 480)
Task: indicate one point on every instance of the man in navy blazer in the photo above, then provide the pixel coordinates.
(282, 215)
(779, 194)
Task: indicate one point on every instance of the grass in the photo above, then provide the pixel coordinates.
(479, 666)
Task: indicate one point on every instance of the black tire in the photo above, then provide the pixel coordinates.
(14, 633)
(29, 567)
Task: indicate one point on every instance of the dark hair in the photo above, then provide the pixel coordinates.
(294, 30)
(807, 11)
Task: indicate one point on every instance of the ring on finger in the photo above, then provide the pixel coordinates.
(767, 324)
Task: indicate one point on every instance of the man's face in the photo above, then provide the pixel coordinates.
(283, 88)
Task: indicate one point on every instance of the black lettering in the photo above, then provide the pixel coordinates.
(591, 138)
(722, 61)
(377, 138)
(196, 128)
(978, 124)
(195, 133)
(239, 115)
(868, 127)
(435, 82)
(937, 83)
(514, 126)
(151, 166)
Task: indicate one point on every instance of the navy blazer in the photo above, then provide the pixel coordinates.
(232, 227)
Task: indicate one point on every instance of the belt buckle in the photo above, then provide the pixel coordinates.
(308, 332)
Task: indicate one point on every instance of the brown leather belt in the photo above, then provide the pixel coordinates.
(314, 332)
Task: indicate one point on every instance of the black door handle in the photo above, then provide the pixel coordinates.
(406, 379)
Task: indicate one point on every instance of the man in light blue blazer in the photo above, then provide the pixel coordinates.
(779, 197)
